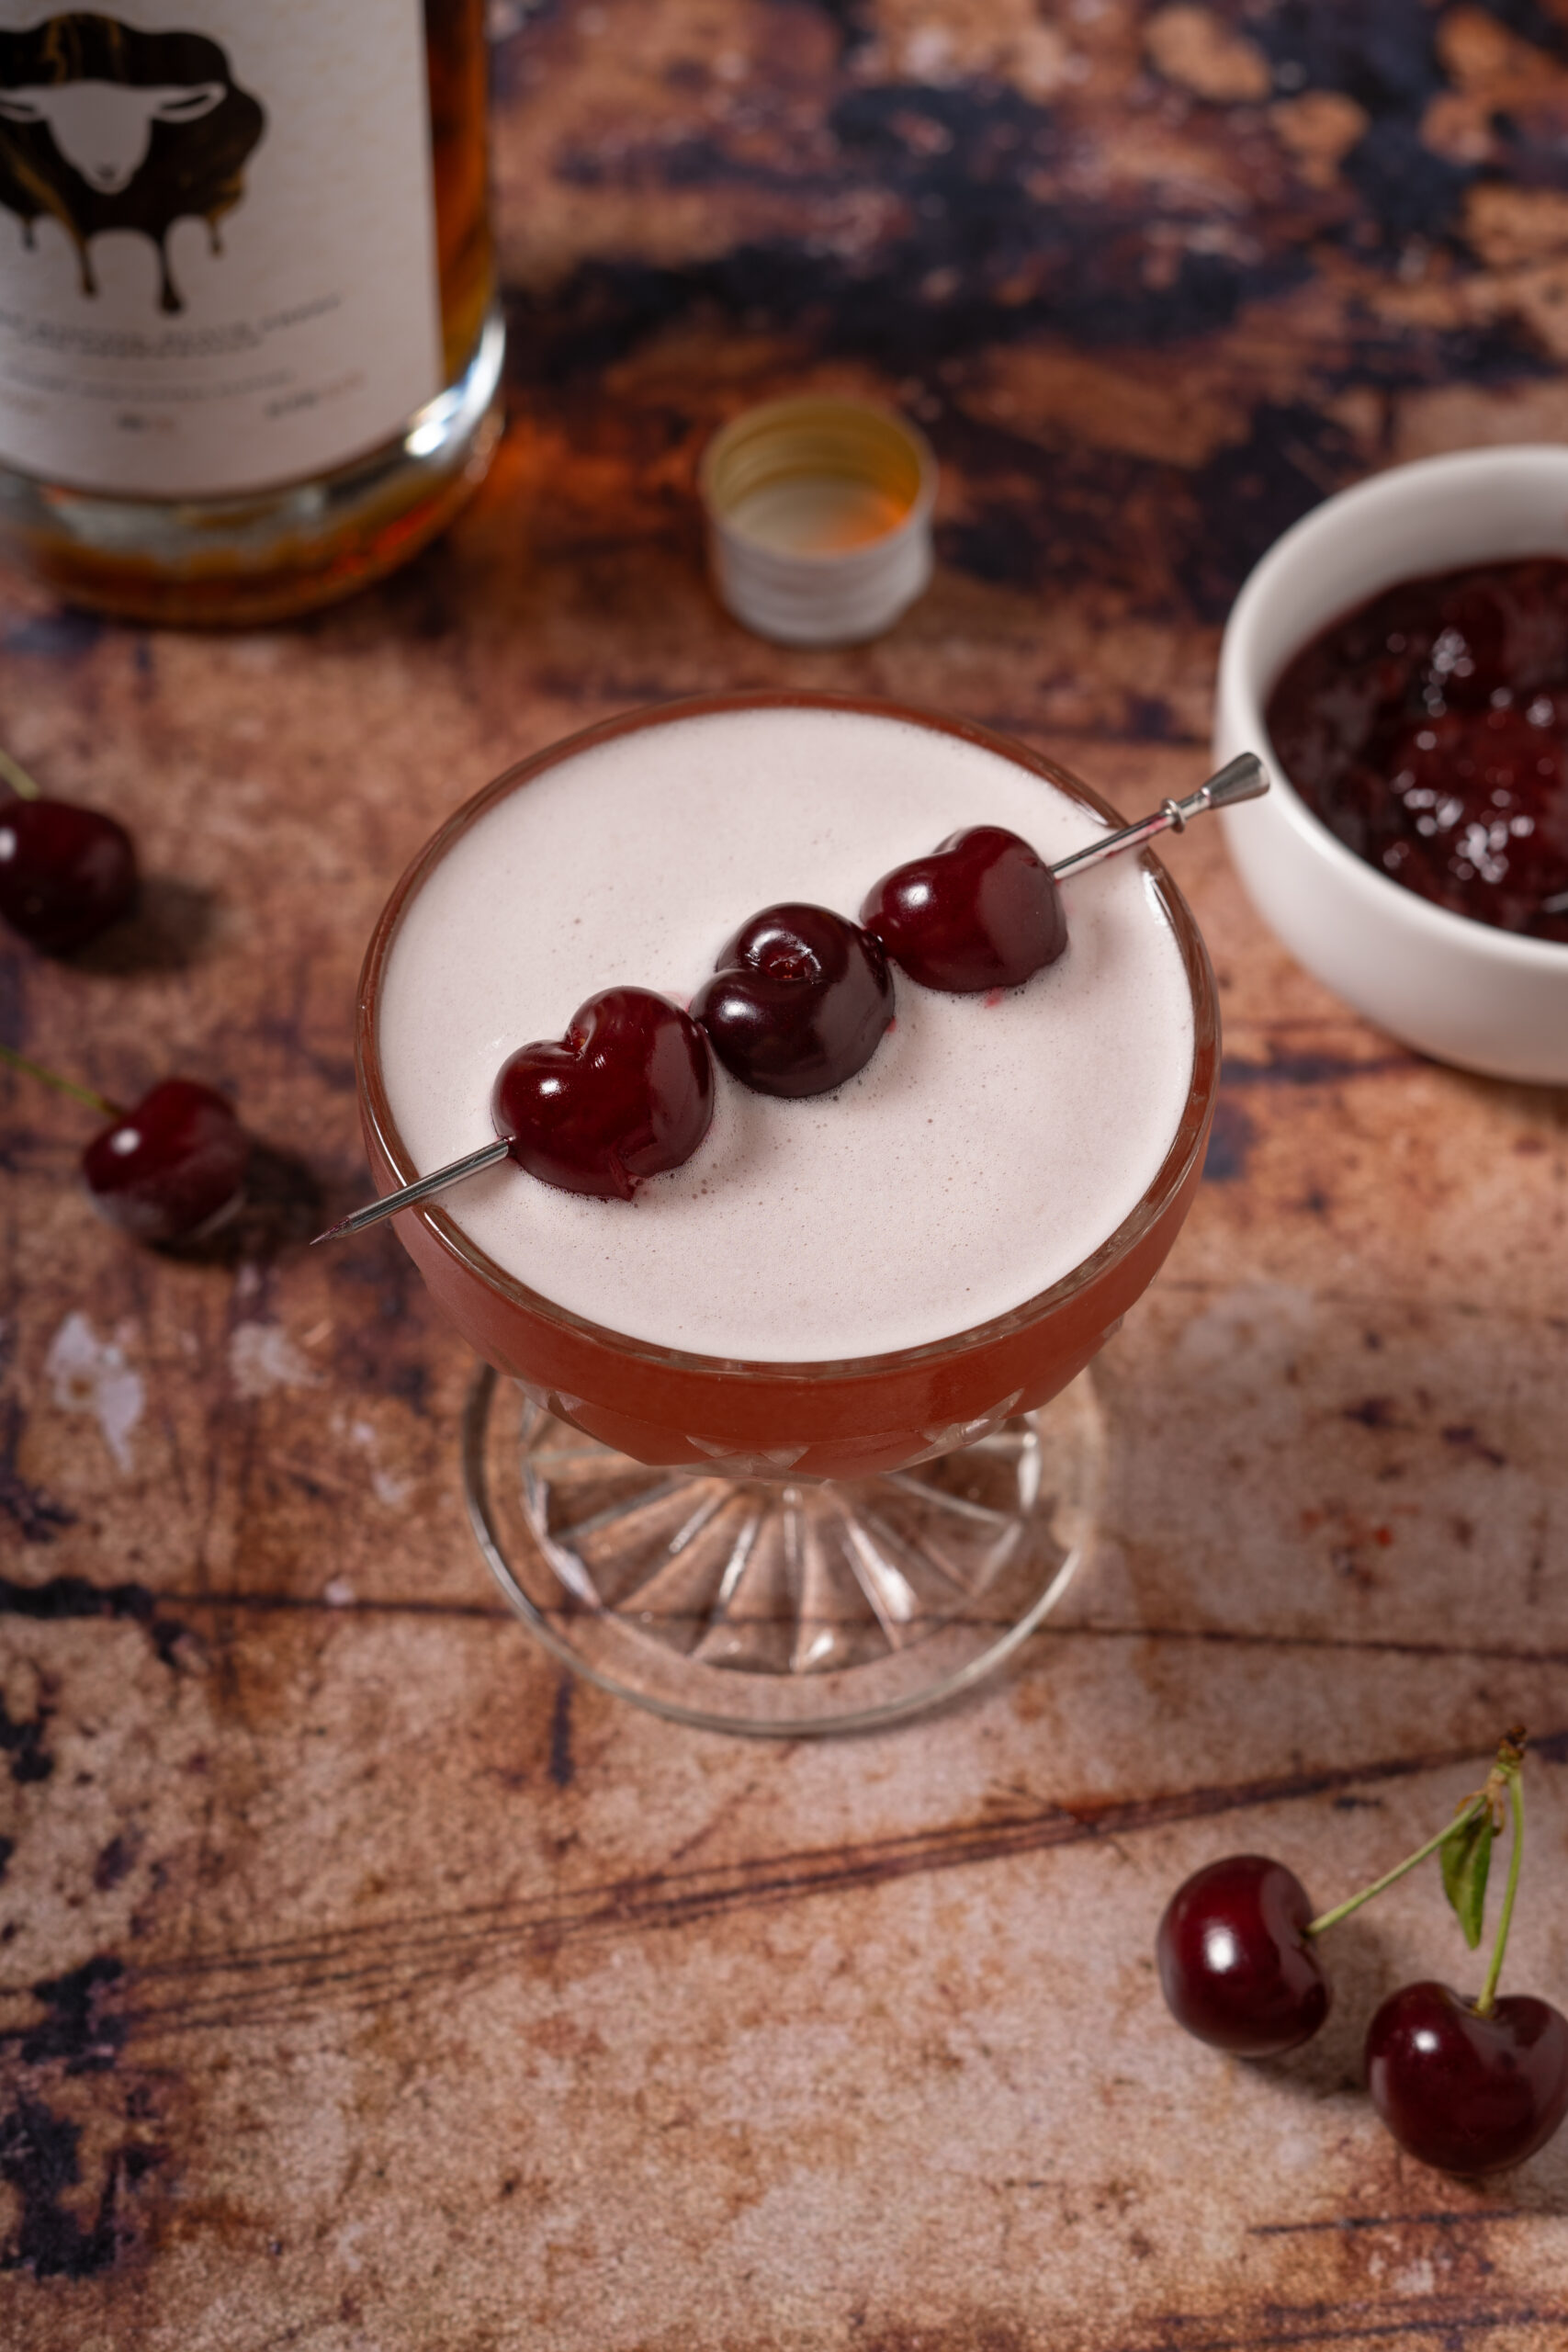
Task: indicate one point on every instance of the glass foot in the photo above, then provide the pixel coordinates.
(755, 1605)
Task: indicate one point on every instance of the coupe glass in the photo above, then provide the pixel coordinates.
(783, 1548)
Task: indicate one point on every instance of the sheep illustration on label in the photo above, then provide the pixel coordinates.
(103, 127)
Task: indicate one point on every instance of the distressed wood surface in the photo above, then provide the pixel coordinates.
(366, 1986)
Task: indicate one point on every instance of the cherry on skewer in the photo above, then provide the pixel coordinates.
(66, 872)
(626, 1094)
(821, 1051)
(983, 912)
(171, 1168)
(799, 1001)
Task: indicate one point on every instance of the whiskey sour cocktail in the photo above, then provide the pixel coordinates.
(828, 1288)
(950, 1232)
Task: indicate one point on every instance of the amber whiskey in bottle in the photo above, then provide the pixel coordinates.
(250, 351)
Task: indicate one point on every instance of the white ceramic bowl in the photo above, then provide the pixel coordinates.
(1460, 990)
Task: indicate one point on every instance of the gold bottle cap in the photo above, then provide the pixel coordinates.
(819, 513)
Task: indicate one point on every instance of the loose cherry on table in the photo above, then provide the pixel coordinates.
(172, 1166)
(1235, 1965)
(1473, 2085)
(167, 1170)
(798, 1002)
(66, 873)
(626, 1093)
(1466, 2085)
(1466, 2092)
(983, 912)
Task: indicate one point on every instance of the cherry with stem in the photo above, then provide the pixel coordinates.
(66, 872)
(1236, 1949)
(1238, 1945)
(169, 1168)
(1473, 2087)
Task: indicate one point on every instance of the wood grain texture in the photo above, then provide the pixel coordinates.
(364, 1986)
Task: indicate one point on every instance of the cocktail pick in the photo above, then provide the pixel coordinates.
(1243, 778)
(454, 1172)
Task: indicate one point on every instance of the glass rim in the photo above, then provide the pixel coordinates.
(1167, 1183)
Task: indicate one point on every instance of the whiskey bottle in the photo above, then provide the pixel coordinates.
(250, 351)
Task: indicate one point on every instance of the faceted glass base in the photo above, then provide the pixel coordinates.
(758, 1605)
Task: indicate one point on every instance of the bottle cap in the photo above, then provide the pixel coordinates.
(819, 513)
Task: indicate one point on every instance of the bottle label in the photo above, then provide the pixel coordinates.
(217, 265)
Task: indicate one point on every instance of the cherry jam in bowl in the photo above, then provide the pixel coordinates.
(1395, 652)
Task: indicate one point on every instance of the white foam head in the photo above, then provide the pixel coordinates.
(985, 1151)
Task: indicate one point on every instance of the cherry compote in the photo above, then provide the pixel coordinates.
(1428, 729)
(983, 912)
(625, 1095)
(172, 1166)
(798, 1002)
(1463, 2092)
(66, 873)
(1235, 1966)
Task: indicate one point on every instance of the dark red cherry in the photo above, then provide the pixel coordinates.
(982, 912)
(1463, 2092)
(170, 1166)
(1234, 1964)
(626, 1094)
(65, 873)
(798, 1001)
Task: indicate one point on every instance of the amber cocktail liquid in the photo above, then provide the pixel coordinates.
(249, 351)
(784, 1440)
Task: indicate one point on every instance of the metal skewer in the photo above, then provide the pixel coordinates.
(453, 1173)
(1243, 778)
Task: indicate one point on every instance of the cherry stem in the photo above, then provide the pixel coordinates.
(17, 776)
(95, 1102)
(1327, 1919)
(1516, 1807)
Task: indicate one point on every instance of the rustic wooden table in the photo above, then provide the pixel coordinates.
(365, 1985)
